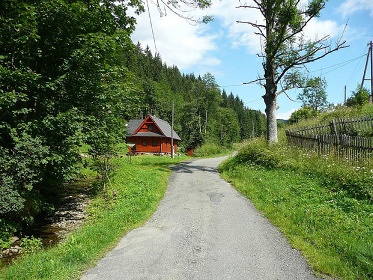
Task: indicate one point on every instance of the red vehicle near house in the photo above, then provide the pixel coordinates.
(151, 136)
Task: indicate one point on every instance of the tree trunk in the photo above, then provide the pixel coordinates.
(270, 99)
(271, 107)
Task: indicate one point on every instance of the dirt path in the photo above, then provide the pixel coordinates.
(203, 229)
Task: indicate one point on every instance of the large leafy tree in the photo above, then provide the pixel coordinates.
(62, 82)
(286, 49)
(314, 94)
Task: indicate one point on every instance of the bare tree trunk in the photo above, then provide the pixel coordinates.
(270, 99)
(206, 123)
(271, 108)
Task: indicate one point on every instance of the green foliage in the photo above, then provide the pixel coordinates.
(68, 79)
(334, 175)
(19, 172)
(8, 228)
(31, 245)
(314, 95)
(367, 109)
(338, 112)
(4, 244)
(304, 195)
(62, 76)
(208, 150)
(359, 97)
(303, 113)
(227, 128)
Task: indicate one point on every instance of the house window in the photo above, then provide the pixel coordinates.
(144, 143)
(155, 143)
(150, 127)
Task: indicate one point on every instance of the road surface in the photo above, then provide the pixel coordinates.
(202, 229)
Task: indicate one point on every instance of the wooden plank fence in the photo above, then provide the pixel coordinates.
(348, 139)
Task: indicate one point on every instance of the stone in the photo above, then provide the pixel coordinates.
(14, 239)
(14, 250)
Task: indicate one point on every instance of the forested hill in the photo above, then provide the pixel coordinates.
(203, 113)
(70, 75)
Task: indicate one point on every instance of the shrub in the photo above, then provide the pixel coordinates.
(333, 174)
(210, 150)
(31, 245)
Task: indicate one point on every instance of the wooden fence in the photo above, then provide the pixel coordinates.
(348, 139)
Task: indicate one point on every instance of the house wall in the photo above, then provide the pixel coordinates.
(153, 145)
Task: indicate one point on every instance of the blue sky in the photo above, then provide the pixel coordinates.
(228, 50)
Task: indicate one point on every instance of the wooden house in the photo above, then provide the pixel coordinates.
(151, 135)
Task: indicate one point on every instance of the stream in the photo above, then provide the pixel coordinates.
(68, 215)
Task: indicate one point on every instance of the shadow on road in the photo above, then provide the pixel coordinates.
(191, 167)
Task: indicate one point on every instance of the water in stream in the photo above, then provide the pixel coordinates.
(68, 215)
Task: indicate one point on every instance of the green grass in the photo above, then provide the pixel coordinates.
(139, 187)
(211, 150)
(331, 225)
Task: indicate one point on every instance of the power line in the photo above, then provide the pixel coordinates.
(355, 69)
(341, 64)
(151, 26)
(238, 85)
(254, 100)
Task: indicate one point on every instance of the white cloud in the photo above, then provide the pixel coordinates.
(185, 45)
(240, 34)
(285, 115)
(192, 47)
(243, 35)
(178, 42)
(350, 7)
(318, 29)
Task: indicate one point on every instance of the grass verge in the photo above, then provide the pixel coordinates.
(211, 150)
(312, 205)
(139, 187)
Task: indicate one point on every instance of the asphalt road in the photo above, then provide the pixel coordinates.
(203, 229)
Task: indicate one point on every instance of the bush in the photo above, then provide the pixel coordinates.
(359, 97)
(31, 245)
(207, 150)
(334, 175)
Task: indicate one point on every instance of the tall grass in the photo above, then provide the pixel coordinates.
(138, 186)
(211, 150)
(323, 207)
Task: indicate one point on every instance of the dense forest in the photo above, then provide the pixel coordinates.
(71, 76)
(203, 113)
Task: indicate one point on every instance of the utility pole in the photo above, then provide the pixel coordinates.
(345, 94)
(370, 54)
(172, 131)
(371, 72)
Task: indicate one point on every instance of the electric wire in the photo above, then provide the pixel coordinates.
(353, 74)
(151, 26)
(340, 65)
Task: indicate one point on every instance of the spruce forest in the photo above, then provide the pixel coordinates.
(70, 76)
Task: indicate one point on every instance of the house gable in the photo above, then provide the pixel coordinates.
(148, 126)
(151, 135)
